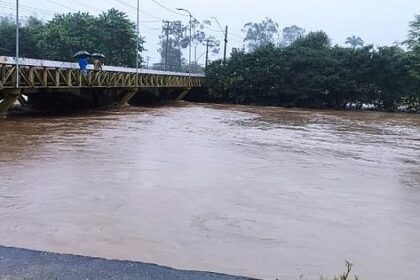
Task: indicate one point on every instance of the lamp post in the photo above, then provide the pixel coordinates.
(137, 41)
(226, 37)
(189, 59)
(17, 44)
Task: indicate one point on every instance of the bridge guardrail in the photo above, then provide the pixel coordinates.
(55, 74)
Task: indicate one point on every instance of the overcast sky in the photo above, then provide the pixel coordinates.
(379, 22)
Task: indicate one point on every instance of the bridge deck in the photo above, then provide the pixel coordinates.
(35, 73)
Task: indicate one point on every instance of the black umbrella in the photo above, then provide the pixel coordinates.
(98, 55)
(82, 54)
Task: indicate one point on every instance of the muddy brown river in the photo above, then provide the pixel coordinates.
(263, 192)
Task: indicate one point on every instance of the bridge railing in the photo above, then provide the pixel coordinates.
(54, 74)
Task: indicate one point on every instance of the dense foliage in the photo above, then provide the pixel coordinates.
(110, 33)
(311, 72)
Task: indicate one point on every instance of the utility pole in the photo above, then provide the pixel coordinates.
(226, 41)
(138, 40)
(207, 53)
(167, 46)
(17, 44)
(147, 62)
(226, 38)
(189, 66)
(195, 55)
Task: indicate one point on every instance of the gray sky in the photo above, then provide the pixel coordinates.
(377, 22)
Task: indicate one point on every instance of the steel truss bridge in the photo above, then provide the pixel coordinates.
(38, 75)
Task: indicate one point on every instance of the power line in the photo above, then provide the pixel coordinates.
(22, 6)
(28, 10)
(168, 9)
(61, 5)
(86, 5)
(236, 35)
(213, 30)
(135, 8)
(31, 10)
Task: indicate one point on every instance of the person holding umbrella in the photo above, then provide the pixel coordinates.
(83, 61)
(97, 63)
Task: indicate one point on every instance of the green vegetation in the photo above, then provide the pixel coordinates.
(111, 33)
(308, 71)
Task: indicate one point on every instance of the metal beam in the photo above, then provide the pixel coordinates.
(183, 94)
(128, 94)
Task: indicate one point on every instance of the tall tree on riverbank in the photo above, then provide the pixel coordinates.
(291, 34)
(413, 43)
(260, 34)
(413, 40)
(355, 42)
(173, 39)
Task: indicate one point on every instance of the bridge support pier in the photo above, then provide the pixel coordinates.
(9, 98)
(127, 95)
(183, 94)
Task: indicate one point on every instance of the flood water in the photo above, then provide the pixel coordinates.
(263, 192)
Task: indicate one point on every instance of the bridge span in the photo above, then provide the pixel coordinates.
(37, 79)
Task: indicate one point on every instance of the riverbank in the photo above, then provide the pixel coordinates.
(26, 264)
(203, 97)
(207, 97)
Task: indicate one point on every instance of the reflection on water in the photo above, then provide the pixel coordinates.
(264, 192)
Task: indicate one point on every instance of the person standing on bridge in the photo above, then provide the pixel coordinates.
(97, 64)
(83, 62)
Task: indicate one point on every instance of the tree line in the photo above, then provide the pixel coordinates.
(306, 70)
(111, 33)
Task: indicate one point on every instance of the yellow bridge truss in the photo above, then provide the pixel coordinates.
(44, 77)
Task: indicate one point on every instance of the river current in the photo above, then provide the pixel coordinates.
(254, 191)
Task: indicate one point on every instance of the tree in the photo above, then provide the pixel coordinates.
(28, 33)
(115, 35)
(8, 36)
(354, 42)
(173, 39)
(391, 77)
(314, 40)
(413, 40)
(311, 73)
(260, 34)
(66, 34)
(413, 43)
(200, 37)
(111, 33)
(291, 34)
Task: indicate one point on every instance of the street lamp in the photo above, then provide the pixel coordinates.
(189, 60)
(138, 41)
(218, 23)
(17, 44)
